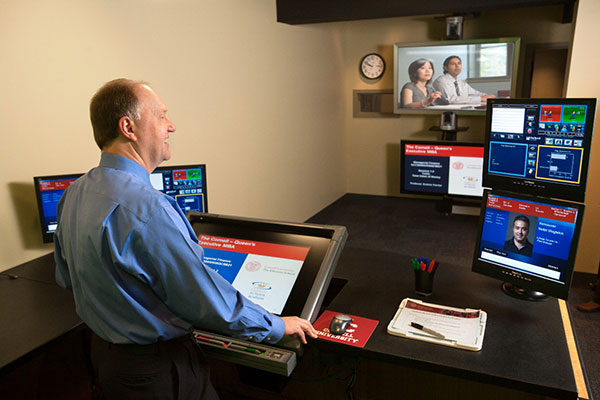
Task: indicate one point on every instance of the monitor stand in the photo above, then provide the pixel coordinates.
(447, 205)
(523, 294)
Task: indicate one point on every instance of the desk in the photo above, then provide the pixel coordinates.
(524, 346)
(34, 309)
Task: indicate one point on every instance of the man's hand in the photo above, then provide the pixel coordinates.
(298, 327)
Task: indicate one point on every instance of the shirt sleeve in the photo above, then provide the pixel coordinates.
(171, 261)
(61, 273)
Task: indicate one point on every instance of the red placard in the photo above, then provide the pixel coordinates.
(438, 150)
(357, 334)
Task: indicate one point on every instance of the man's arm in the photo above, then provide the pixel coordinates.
(198, 294)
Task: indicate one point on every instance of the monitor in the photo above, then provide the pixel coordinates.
(185, 183)
(441, 168)
(284, 267)
(488, 66)
(539, 146)
(528, 242)
(48, 190)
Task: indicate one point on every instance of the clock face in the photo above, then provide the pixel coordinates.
(372, 66)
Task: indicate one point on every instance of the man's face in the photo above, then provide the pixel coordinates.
(454, 67)
(520, 231)
(153, 128)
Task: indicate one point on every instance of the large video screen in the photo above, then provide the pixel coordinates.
(441, 168)
(528, 241)
(464, 73)
(539, 146)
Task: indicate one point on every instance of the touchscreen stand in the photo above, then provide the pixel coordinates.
(284, 267)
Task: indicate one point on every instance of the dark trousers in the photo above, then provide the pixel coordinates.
(175, 369)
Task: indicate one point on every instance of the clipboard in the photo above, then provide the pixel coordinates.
(462, 328)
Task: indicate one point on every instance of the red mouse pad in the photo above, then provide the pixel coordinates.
(357, 333)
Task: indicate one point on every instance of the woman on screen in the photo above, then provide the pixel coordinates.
(418, 93)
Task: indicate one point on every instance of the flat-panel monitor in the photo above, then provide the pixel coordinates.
(48, 190)
(185, 183)
(539, 146)
(483, 67)
(284, 267)
(528, 242)
(441, 168)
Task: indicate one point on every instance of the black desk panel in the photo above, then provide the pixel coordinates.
(524, 345)
(34, 309)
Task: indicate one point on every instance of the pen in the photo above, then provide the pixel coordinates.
(430, 269)
(414, 263)
(209, 340)
(244, 348)
(427, 330)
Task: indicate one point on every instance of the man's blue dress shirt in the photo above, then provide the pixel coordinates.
(135, 267)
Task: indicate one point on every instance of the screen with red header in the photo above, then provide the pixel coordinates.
(529, 237)
(263, 272)
(445, 168)
(48, 190)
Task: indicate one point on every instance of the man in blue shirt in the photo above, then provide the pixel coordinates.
(134, 264)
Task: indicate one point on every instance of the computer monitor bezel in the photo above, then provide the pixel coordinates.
(190, 166)
(403, 189)
(540, 187)
(523, 279)
(48, 237)
(326, 242)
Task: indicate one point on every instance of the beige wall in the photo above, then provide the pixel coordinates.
(584, 81)
(259, 102)
(267, 106)
(372, 153)
(372, 145)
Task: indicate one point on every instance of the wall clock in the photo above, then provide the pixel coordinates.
(372, 66)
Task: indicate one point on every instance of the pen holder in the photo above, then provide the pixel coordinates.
(424, 282)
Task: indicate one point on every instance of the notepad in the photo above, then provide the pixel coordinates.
(462, 328)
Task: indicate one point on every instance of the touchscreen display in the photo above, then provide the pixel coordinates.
(263, 272)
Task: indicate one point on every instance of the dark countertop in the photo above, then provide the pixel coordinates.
(34, 309)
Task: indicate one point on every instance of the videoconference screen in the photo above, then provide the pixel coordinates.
(185, 183)
(453, 168)
(527, 237)
(539, 145)
(49, 189)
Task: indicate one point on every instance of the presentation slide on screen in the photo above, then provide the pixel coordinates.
(443, 169)
(263, 272)
(551, 230)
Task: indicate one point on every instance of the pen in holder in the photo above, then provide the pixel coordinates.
(424, 273)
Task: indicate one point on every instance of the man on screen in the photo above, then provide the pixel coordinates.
(455, 90)
(519, 243)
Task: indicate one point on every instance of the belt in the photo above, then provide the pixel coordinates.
(140, 349)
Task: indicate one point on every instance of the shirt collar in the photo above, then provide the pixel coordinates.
(109, 160)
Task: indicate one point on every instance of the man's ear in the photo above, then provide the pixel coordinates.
(127, 128)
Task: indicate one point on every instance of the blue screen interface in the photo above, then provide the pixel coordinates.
(541, 142)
